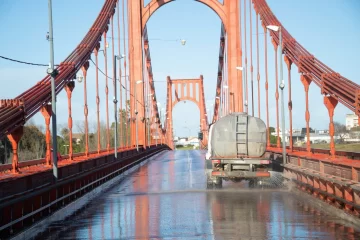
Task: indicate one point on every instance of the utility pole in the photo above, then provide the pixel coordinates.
(53, 96)
(115, 109)
(282, 86)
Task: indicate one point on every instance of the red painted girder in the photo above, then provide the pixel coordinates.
(344, 90)
(319, 155)
(40, 94)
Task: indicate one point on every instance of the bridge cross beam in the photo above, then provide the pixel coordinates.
(266, 85)
(277, 94)
(84, 69)
(14, 139)
(106, 92)
(96, 53)
(46, 112)
(306, 82)
(288, 64)
(330, 103)
(69, 89)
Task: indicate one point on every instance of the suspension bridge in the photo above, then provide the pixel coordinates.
(54, 187)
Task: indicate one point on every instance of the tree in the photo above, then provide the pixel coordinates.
(271, 129)
(64, 133)
(340, 130)
(32, 144)
(273, 139)
(5, 150)
(303, 131)
(355, 129)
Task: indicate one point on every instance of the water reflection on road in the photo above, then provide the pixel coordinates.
(168, 199)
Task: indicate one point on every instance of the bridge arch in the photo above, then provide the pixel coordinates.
(184, 99)
(187, 90)
(230, 16)
(154, 5)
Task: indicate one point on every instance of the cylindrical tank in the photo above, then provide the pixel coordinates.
(237, 135)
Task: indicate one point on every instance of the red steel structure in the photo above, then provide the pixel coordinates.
(192, 90)
(328, 174)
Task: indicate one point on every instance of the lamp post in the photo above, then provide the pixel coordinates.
(136, 113)
(149, 117)
(281, 86)
(115, 105)
(244, 87)
(52, 73)
(158, 125)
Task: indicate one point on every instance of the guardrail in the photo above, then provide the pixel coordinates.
(41, 161)
(333, 179)
(349, 155)
(24, 208)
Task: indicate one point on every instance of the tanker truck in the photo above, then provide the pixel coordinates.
(236, 150)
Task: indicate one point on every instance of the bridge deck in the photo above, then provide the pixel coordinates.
(167, 198)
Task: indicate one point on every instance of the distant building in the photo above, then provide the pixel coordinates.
(352, 120)
(194, 141)
(299, 136)
(319, 138)
(188, 141)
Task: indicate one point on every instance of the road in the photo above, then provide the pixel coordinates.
(167, 199)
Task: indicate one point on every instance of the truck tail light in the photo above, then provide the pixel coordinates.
(264, 162)
(262, 174)
(215, 161)
(216, 173)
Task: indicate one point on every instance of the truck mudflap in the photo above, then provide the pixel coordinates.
(240, 174)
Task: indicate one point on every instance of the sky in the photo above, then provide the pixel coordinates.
(326, 28)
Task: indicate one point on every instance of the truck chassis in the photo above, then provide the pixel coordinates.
(236, 170)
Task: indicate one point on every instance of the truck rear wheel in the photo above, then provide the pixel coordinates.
(218, 182)
(253, 183)
(211, 181)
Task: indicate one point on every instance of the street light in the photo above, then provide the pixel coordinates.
(136, 113)
(273, 27)
(281, 86)
(52, 72)
(79, 78)
(149, 118)
(244, 87)
(115, 104)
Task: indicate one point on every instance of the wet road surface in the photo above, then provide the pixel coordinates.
(167, 199)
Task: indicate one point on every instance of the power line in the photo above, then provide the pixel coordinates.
(23, 62)
(151, 39)
(117, 80)
(46, 65)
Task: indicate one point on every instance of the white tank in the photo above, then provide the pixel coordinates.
(237, 135)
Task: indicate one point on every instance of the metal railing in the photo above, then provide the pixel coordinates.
(97, 182)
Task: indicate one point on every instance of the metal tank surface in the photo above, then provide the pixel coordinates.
(237, 135)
